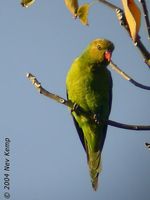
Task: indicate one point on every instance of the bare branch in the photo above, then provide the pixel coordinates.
(127, 77)
(144, 52)
(146, 16)
(79, 110)
(38, 86)
(119, 71)
(127, 126)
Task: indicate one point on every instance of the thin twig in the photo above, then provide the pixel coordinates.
(147, 145)
(127, 77)
(146, 16)
(127, 126)
(69, 104)
(144, 52)
(110, 5)
(50, 95)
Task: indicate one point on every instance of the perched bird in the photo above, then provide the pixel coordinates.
(89, 86)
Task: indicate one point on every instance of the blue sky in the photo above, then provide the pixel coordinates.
(47, 160)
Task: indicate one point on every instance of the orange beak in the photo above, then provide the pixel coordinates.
(108, 55)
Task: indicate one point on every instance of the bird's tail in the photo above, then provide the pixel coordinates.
(94, 164)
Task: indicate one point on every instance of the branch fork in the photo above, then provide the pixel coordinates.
(122, 20)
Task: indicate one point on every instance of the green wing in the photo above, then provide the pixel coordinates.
(79, 130)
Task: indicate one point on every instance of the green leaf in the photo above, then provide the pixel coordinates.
(72, 6)
(27, 3)
(83, 12)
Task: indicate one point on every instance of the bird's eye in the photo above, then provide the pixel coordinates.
(99, 47)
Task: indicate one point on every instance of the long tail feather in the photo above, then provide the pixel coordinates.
(94, 167)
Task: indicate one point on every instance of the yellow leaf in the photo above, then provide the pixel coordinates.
(27, 3)
(83, 12)
(133, 17)
(72, 6)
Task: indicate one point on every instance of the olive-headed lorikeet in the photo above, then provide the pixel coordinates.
(89, 85)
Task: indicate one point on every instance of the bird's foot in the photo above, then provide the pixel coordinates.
(75, 108)
(96, 119)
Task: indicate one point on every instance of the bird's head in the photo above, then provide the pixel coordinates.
(99, 51)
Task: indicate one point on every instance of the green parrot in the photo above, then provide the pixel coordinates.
(89, 86)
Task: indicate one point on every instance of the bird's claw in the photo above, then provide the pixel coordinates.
(96, 118)
(75, 108)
